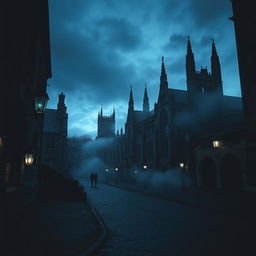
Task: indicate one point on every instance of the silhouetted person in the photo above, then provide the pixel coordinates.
(95, 179)
(92, 179)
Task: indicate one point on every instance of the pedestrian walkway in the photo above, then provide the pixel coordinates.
(61, 228)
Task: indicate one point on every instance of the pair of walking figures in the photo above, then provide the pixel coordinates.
(94, 179)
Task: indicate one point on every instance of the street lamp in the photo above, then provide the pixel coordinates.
(145, 167)
(217, 143)
(41, 102)
(106, 170)
(116, 169)
(182, 173)
(29, 157)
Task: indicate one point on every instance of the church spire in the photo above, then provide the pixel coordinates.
(130, 115)
(214, 51)
(163, 78)
(190, 61)
(145, 100)
(189, 48)
(131, 102)
(216, 69)
(163, 72)
(190, 67)
(114, 113)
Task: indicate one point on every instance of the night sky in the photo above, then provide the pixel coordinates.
(100, 48)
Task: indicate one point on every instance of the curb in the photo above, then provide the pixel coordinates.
(104, 233)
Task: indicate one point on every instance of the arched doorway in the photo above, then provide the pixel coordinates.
(231, 173)
(208, 173)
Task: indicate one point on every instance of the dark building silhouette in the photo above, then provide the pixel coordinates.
(54, 148)
(106, 125)
(25, 67)
(244, 22)
(180, 124)
(203, 82)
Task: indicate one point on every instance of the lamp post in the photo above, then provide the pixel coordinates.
(181, 165)
(40, 105)
(116, 178)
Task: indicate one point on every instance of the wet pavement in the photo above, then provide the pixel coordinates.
(143, 225)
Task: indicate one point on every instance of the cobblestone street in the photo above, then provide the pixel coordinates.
(144, 225)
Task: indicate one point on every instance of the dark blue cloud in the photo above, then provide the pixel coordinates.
(119, 33)
(99, 48)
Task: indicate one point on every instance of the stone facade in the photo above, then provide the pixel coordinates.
(179, 123)
(54, 150)
(25, 68)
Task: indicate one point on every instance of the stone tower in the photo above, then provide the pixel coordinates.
(106, 125)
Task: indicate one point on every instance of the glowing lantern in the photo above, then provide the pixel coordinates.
(217, 143)
(181, 165)
(145, 167)
(29, 158)
(116, 169)
(40, 103)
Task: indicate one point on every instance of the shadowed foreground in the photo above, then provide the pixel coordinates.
(61, 228)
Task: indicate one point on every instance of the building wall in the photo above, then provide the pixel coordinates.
(169, 134)
(25, 66)
(54, 149)
(244, 23)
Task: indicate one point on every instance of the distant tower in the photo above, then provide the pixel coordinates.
(114, 114)
(193, 86)
(61, 104)
(106, 125)
(62, 114)
(131, 102)
(203, 82)
(216, 70)
(163, 79)
(145, 101)
(130, 115)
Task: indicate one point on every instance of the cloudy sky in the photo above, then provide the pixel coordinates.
(101, 47)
